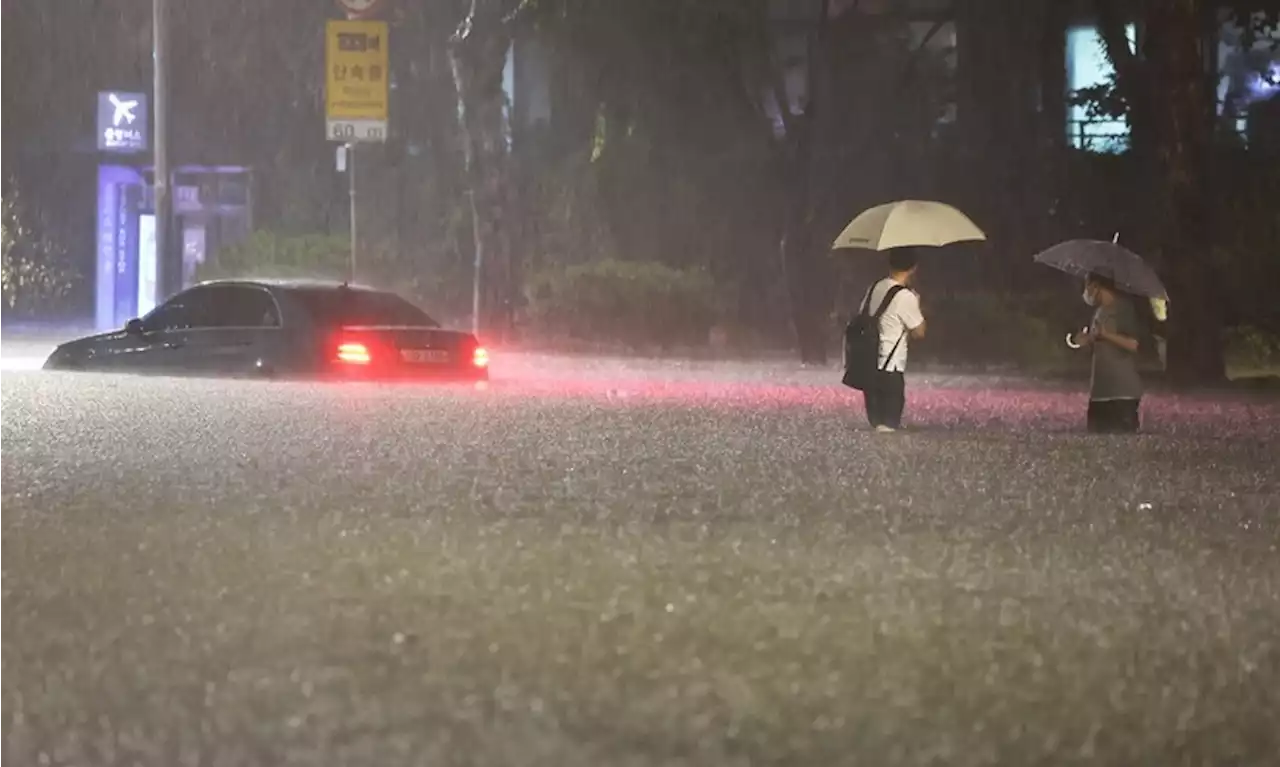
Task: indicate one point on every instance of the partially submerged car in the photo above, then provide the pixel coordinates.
(282, 328)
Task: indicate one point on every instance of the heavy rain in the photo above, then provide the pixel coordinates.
(593, 382)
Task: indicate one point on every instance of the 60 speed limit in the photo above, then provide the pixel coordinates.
(356, 130)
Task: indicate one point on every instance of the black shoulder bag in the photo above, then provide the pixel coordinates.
(862, 343)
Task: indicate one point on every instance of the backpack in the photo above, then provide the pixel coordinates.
(862, 342)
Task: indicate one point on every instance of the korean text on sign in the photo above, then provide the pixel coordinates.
(356, 70)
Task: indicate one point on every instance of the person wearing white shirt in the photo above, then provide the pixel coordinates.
(885, 397)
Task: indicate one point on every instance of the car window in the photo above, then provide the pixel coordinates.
(189, 309)
(336, 307)
(243, 306)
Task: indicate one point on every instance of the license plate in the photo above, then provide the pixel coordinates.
(424, 355)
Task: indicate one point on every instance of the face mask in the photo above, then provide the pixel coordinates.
(1090, 297)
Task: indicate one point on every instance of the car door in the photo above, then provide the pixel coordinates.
(156, 346)
(169, 329)
(243, 323)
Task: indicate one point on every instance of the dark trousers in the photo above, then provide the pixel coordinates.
(885, 397)
(1113, 416)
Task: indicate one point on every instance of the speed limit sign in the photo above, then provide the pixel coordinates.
(358, 9)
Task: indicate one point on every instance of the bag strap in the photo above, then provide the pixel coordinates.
(893, 351)
(864, 308)
(888, 299)
(884, 306)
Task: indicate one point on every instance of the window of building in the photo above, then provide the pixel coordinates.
(1248, 71)
(1089, 67)
(939, 42)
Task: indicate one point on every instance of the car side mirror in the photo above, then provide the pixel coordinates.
(134, 327)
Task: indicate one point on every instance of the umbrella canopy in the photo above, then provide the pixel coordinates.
(1108, 259)
(908, 223)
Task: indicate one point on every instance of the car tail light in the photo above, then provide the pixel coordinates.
(353, 353)
(480, 357)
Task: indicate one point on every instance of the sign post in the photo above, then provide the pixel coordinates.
(356, 93)
(351, 193)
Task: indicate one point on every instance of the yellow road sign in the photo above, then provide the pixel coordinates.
(356, 75)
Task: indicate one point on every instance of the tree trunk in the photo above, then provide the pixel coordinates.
(797, 262)
(1166, 88)
(796, 248)
(997, 66)
(477, 55)
(1182, 148)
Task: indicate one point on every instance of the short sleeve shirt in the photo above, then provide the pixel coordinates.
(1115, 371)
(901, 317)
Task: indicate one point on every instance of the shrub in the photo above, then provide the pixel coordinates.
(635, 303)
(989, 330)
(269, 254)
(1251, 351)
(36, 277)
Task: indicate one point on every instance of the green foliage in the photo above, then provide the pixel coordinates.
(270, 254)
(634, 303)
(35, 275)
(266, 254)
(988, 330)
(1247, 256)
(1251, 351)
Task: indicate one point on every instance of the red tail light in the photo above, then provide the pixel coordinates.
(480, 357)
(353, 353)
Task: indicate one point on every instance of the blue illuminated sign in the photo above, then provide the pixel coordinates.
(126, 276)
(116, 225)
(122, 122)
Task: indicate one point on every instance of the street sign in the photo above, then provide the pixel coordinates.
(122, 122)
(356, 75)
(357, 130)
(358, 9)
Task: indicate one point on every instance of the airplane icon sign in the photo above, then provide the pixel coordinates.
(122, 122)
(123, 110)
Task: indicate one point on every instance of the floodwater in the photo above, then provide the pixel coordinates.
(619, 562)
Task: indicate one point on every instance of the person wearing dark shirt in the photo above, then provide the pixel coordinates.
(1115, 388)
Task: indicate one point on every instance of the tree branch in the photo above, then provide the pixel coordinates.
(778, 85)
(827, 194)
(1111, 29)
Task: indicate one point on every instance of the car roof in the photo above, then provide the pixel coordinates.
(291, 283)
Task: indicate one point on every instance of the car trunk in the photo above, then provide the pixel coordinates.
(379, 334)
(405, 351)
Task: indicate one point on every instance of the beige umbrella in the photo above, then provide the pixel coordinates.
(908, 223)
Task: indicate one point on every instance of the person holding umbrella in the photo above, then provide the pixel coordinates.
(876, 338)
(1115, 387)
(898, 318)
(1115, 280)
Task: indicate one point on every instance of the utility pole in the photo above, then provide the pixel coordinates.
(351, 192)
(170, 268)
(478, 243)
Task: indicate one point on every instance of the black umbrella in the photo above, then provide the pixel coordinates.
(1107, 259)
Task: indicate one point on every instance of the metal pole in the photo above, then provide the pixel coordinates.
(169, 280)
(351, 190)
(478, 244)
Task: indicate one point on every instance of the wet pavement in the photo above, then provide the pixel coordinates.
(620, 562)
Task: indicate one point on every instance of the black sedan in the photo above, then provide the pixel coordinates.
(282, 328)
